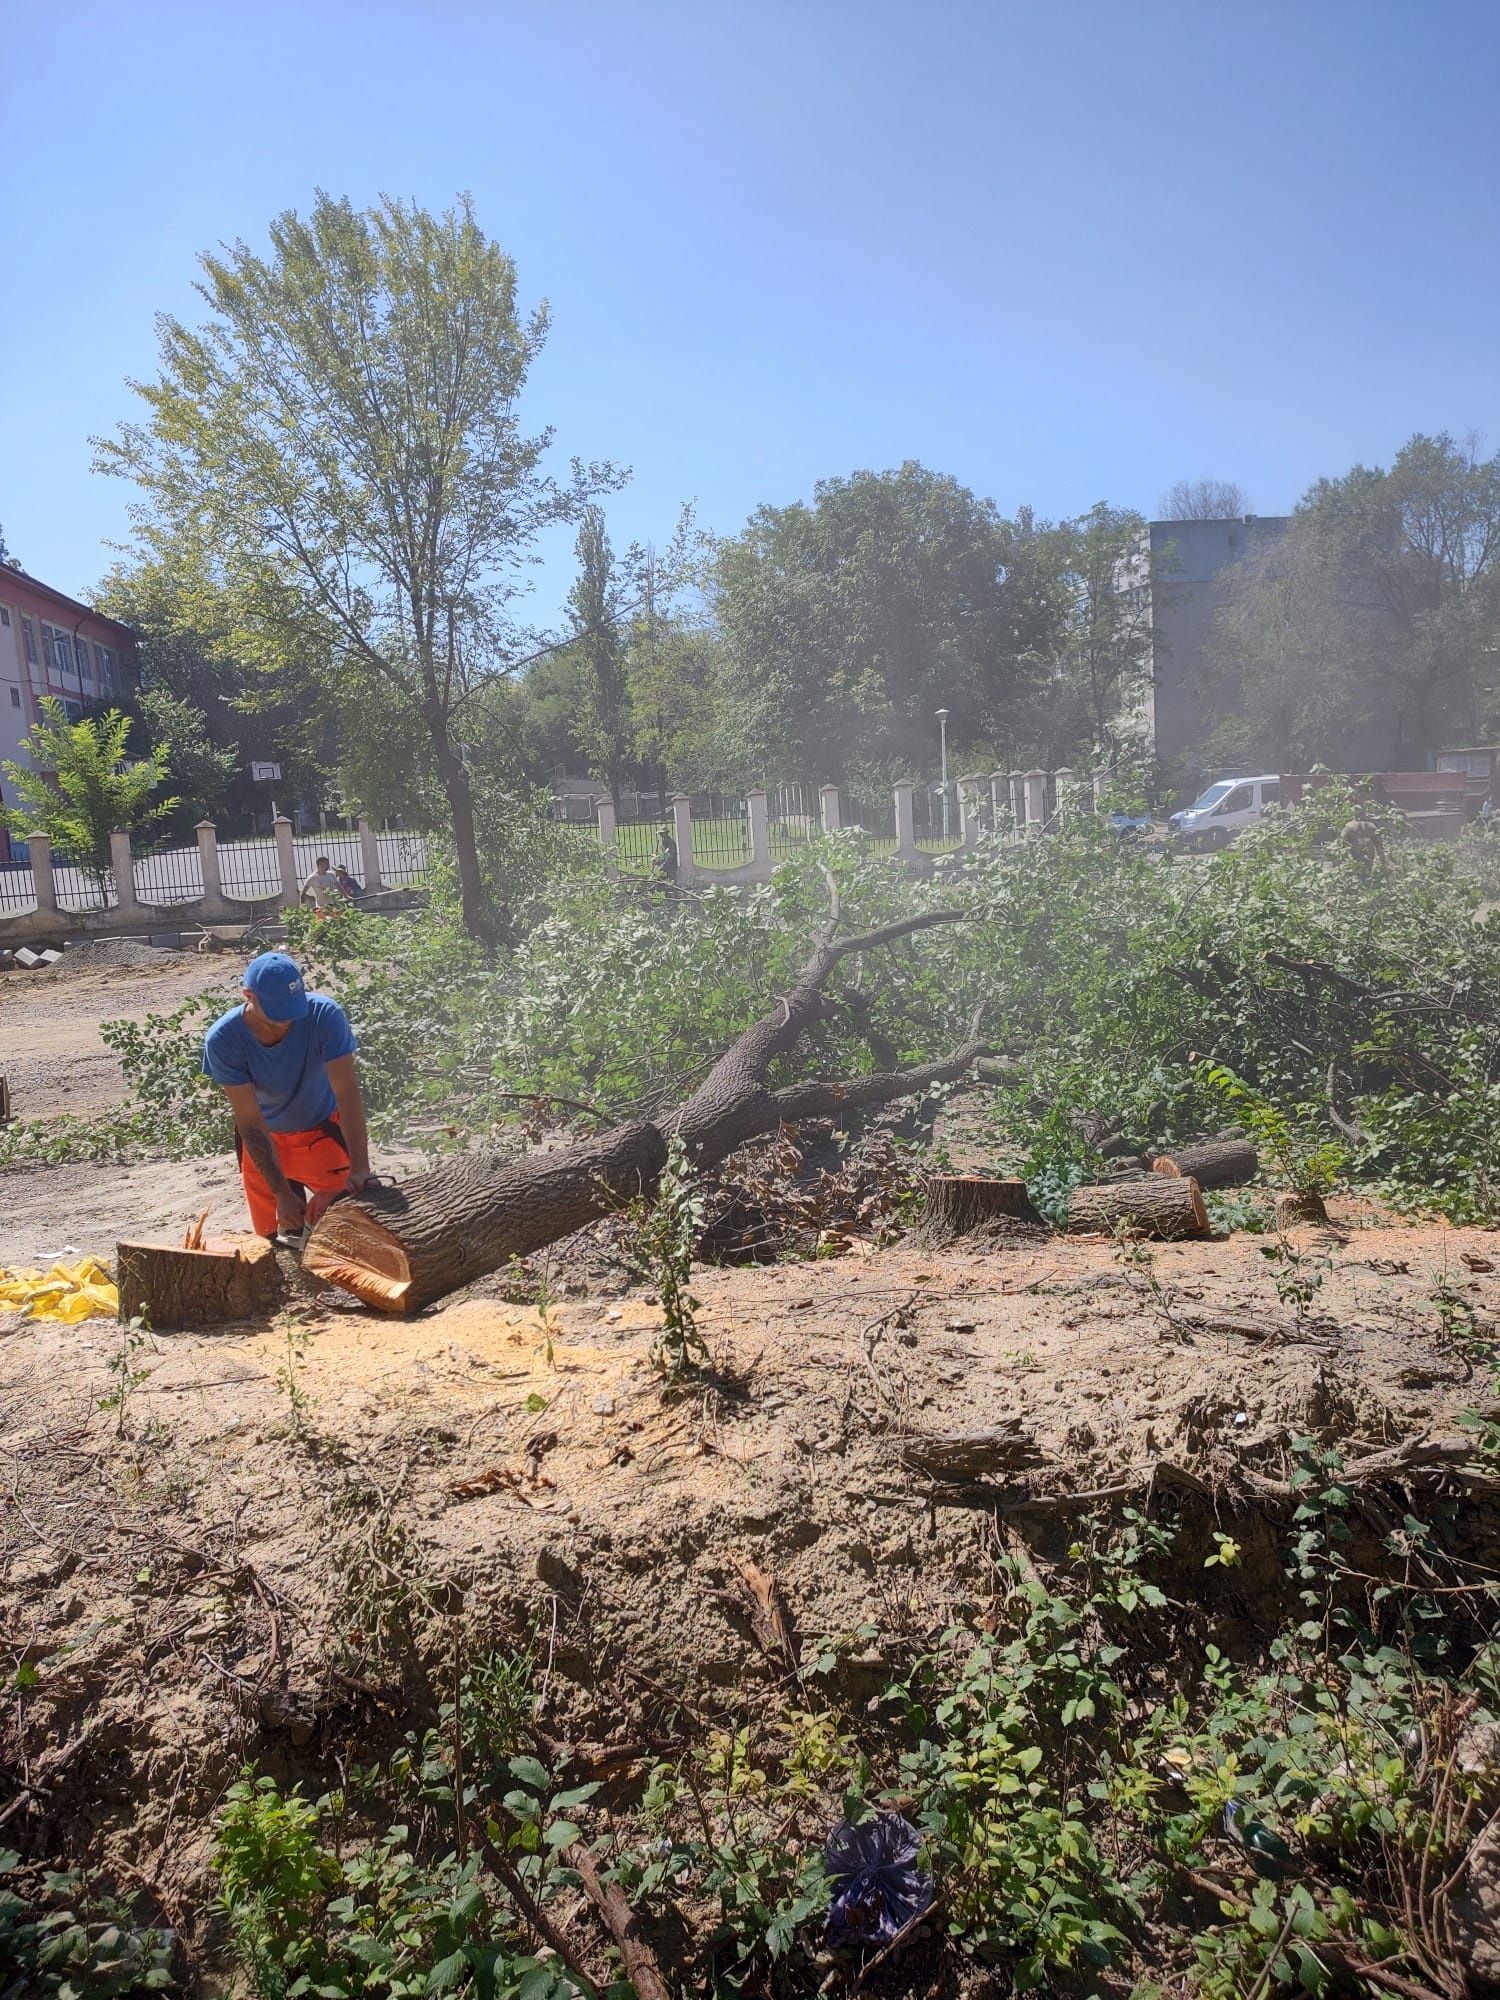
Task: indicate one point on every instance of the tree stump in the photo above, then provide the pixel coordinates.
(1216, 1163)
(4, 1101)
(959, 1203)
(229, 1277)
(1293, 1208)
(1160, 1205)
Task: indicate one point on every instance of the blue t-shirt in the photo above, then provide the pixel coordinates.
(290, 1078)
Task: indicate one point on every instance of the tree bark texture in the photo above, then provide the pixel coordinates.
(1216, 1163)
(1155, 1205)
(400, 1248)
(959, 1203)
(229, 1278)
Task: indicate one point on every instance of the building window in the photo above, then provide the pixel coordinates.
(106, 658)
(4, 615)
(15, 697)
(73, 710)
(81, 648)
(60, 647)
(28, 636)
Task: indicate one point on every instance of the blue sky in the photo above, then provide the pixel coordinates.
(1067, 251)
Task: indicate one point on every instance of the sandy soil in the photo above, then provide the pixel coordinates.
(50, 1045)
(186, 1589)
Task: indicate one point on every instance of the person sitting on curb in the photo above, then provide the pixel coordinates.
(284, 1058)
(349, 888)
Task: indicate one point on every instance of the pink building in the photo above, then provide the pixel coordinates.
(52, 645)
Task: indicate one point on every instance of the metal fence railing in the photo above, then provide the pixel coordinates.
(794, 812)
(249, 870)
(403, 859)
(638, 833)
(721, 832)
(171, 875)
(875, 817)
(936, 821)
(82, 889)
(17, 888)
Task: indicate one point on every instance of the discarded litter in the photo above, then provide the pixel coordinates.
(878, 1888)
(67, 1292)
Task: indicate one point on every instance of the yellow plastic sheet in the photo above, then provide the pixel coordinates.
(69, 1292)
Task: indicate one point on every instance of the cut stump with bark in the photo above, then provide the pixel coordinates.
(959, 1203)
(1155, 1205)
(1292, 1208)
(223, 1278)
(1216, 1163)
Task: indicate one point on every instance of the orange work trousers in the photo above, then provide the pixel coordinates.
(316, 1163)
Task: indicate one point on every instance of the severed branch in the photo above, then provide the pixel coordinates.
(622, 1923)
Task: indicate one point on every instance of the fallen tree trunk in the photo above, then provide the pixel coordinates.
(1154, 1205)
(1217, 1163)
(958, 1203)
(224, 1278)
(400, 1248)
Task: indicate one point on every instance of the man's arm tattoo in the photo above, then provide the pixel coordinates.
(261, 1148)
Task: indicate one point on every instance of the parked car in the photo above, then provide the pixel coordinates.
(1225, 809)
(1130, 826)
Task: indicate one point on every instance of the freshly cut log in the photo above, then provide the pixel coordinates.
(1294, 1208)
(400, 1248)
(1155, 1205)
(958, 1203)
(222, 1278)
(1216, 1163)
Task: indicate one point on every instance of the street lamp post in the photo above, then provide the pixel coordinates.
(942, 716)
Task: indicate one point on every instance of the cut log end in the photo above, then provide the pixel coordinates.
(956, 1204)
(219, 1278)
(1216, 1163)
(1160, 1205)
(351, 1248)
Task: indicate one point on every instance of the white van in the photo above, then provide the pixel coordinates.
(1225, 809)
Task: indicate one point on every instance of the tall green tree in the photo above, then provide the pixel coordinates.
(345, 427)
(597, 605)
(1100, 651)
(847, 623)
(1373, 625)
(82, 784)
(176, 732)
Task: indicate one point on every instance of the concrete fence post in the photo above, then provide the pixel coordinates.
(1100, 785)
(970, 825)
(682, 822)
(1035, 783)
(999, 797)
(286, 855)
(208, 861)
(1065, 789)
(369, 854)
(829, 809)
(608, 832)
(760, 829)
(39, 847)
(906, 823)
(122, 867)
(1015, 786)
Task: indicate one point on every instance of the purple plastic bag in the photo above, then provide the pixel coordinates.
(878, 1888)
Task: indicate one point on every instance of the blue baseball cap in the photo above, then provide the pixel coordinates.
(276, 981)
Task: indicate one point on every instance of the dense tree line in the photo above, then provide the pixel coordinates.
(339, 501)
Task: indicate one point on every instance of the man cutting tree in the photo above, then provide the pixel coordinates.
(285, 1060)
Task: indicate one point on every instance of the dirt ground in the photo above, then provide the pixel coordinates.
(185, 1580)
(204, 1578)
